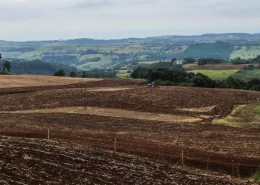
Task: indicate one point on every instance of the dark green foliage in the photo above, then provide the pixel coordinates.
(165, 64)
(239, 61)
(99, 73)
(38, 67)
(249, 67)
(178, 76)
(173, 76)
(201, 80)
(204, 61)
(60, 72)
(189, 61)
(6, 66)
(84, 74)
(140, 72)
(256, 176)
(255, 60)
(211, 50)
(73, 74)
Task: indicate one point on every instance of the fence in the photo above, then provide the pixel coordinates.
(156, 151)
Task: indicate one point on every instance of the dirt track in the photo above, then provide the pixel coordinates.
(235, 151)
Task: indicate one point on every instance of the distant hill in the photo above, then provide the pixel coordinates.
(87, 53)
(38, 67)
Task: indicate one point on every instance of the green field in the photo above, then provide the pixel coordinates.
(245, 52)
(246, 75)
(189, 65)
(217, 74)
(123, 73)
(148, 62)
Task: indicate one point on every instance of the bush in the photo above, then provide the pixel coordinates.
(60, 72)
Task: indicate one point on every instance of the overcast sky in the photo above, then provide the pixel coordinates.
(65, 19)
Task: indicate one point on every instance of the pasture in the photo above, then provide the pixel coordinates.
(246, 75)
(118, 131)
(245, 52)
(217, 74)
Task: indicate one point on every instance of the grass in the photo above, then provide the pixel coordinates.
(242, 116)
(148, 62)
(256, 177)
(189, 65)
(246, 52)
(217, 74)
(246, 75)
(123, 74)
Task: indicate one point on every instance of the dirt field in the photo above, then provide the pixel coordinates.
(155, 124)
(216, 67)
(38, 80)
(28, 161)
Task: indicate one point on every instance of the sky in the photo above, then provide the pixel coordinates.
(27, 20)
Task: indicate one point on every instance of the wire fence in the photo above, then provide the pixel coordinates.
(156, 151)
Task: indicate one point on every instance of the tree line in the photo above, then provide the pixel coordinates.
(180, 77)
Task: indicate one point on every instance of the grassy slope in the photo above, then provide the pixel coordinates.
(216, 74)
(242, 116)
(246, 75)
(246, 52)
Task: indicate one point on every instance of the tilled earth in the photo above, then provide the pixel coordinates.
(235, 151)
(30, 161)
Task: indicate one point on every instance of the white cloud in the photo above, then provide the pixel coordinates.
(61, 19)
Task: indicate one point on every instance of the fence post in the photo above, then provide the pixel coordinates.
(182, 158)
(238, 173)
(115, 146)
(48, 134)
(85, 96)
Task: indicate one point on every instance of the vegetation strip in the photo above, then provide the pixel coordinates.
(113, 113)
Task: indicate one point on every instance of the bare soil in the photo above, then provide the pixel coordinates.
(30, 161)
(216, 67)
(233, 151)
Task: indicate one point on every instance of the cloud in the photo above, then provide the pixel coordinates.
(61, 19)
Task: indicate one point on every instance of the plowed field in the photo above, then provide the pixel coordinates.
(157, 124)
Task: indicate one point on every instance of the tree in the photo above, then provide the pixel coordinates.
(60, 72)
(7, 66)
(0, 62)
(73, 74)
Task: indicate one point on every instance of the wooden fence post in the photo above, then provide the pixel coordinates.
(182, 158)
(48, 134)
(115, 146)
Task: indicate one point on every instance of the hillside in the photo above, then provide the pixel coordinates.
(91, 54)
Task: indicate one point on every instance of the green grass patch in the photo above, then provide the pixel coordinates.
(217, 74)
(189, 65)
(242, 116)
(247, 75)
(123, 74)
(148, 62)
(256, 177)
(245, 52)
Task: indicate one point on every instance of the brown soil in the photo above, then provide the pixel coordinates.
(25, 161)
(216, 67)
(8, 81)
(235, 151)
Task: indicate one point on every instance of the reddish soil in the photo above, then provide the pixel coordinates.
(235, 151)
(216, 67)
(25, 161)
